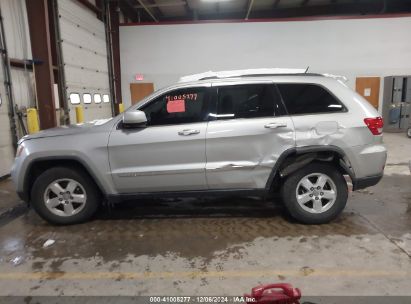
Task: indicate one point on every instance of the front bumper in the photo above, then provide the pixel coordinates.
(365, 182)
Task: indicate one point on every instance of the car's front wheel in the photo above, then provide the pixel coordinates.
(409, 132)
(315, 194)
(64, 196)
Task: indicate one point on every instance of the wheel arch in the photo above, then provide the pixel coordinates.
(39, 165)
(295, 158)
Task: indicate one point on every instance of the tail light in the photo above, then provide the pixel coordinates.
(375, 125)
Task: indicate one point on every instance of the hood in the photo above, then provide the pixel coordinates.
(66, 130)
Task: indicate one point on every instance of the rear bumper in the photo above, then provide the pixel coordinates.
(365, 182)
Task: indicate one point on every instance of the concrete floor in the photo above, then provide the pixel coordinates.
(216, 247)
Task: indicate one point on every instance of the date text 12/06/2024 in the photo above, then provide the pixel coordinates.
(202, 299)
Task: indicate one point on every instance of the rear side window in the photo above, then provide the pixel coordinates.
(177, 107)
(300, 98)
(248, 101)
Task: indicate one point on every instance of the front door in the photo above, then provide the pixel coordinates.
(169, 153)
(249, 134)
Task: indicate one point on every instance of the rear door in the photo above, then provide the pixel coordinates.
(250, 131)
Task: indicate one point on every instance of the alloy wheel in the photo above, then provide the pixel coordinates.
(65, 197)
(316, 193)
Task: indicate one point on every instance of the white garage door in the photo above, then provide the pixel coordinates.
(85, 61)
(6, 150)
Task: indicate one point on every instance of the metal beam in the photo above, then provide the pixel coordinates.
(115, 47)
(128, 10)
(157, 10)
(368, 7)
(38, 20)
(304, 2)
(147, 10)
(167, 4)
(250, 6)
(60, 72)
(90, 6)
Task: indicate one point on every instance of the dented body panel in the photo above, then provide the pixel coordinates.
(241, 153)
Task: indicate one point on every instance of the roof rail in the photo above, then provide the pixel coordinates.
(238, 73)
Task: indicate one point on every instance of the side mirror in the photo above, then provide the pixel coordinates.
(135, 118)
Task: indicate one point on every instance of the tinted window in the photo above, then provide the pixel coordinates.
(177, 107)
(308, 98)
(248, 101)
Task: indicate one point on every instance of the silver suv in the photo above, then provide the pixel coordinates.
(252, 134)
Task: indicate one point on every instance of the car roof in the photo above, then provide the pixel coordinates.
(298, 78)
(253, 75)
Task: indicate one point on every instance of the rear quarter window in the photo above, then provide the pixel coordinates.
(302, 98)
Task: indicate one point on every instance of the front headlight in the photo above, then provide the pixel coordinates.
(20, 149)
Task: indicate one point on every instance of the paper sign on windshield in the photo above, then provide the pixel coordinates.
(176, 106)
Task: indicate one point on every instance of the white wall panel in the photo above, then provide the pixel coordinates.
(354, 47)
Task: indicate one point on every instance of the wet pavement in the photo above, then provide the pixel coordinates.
(215, 247)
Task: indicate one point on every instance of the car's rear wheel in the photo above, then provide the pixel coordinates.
(64, 196)
(315, 194)
(409, 132)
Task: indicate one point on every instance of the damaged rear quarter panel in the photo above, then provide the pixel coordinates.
(345, 130)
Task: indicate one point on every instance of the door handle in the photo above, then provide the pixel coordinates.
(188, 132)
(275, 125)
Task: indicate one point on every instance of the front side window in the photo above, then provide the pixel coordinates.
(302, 98)
(248, 101)
(177, 107)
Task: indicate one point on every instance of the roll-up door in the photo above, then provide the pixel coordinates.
(85, 61)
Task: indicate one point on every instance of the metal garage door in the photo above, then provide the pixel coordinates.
(85, 60)
(6, 146)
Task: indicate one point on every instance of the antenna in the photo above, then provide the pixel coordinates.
(306, 70)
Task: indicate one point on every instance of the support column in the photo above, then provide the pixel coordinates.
(115, 45)
(38, 19)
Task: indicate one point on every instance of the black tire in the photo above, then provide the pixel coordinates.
(47, 177)
(409, 132)
(289, 194)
